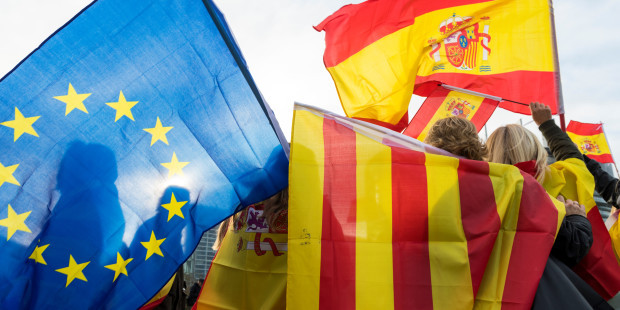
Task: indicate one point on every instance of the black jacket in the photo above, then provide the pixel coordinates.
(560, 287)
(575, 236)
(605, 184)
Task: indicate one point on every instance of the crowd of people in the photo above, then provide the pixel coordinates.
(514, 145)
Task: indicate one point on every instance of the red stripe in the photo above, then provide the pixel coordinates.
(484, 112)
(584, 129)
(536, 228)
(603, 158)
(337, 283)
(412, 270)
(481, 221)
(600, 267)
(425, 113)
(355, 26)
(520, 86)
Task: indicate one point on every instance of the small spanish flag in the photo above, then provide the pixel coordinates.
(590, 138)
(443, 103)
(380, 52)
(378, 220)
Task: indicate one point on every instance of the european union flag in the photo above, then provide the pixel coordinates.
(125, 135)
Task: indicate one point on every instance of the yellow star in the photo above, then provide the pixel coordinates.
(152, 246)
(73, 100)
(6, 174)
(21, 125)
(15, 222)
(37, 254)
(120, 266)
(74, 270)
(158, 132)
(174, 207)
(122, 107)
(174, 166)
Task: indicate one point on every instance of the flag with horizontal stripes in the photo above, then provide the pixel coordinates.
(378, 220)
(590, 138)
(443, 103)
(600, 267)
(377, 51)
(249, 270)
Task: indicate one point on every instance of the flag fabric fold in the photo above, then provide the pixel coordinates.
(125, 135)
(378, 220)
(590, 139)
(600, 267)
(443, 103)
(379, 52)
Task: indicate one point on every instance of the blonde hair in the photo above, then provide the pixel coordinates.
(458, 136)
(512, 144)
(273, 206)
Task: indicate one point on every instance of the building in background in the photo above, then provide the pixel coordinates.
(197, 266)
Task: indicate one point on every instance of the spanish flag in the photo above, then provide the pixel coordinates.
(378, 220)
(378, 51)
(443, 103)
(249, 269)
(590, 138)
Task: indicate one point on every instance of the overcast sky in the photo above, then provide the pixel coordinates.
(284, 53)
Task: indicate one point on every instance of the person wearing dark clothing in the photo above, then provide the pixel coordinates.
(194, 292)
(574, 238)
(605, 184)
(560, 287)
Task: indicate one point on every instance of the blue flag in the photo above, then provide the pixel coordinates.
(127, 134)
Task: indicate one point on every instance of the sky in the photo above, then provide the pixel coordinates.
(284, 54)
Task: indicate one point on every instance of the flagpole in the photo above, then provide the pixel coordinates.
(610, 152)
(471, 92)
(556, 63)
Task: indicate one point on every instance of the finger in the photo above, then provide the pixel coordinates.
(561, 198)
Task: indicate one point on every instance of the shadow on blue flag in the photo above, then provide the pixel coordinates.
(127, 134)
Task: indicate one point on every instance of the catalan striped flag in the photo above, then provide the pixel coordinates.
(590, 138)
(443, 103)
(378, 220)
(378, 51)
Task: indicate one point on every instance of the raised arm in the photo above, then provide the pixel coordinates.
(560, 144)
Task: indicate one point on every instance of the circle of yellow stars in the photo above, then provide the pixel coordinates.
(16, 222)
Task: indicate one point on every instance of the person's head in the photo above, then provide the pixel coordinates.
(458, 136)
(512, 144)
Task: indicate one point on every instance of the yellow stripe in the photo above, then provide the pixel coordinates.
(449, 260)
(517, 29)
(305, 211)
(374, 283)
(614, 233)
(377, 82)
(507, 186)
(444, 112)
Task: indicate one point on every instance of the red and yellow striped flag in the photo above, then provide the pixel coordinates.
(377, 51)
(443, 103)
(600, 267)
(377, 221)
(591, 140)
